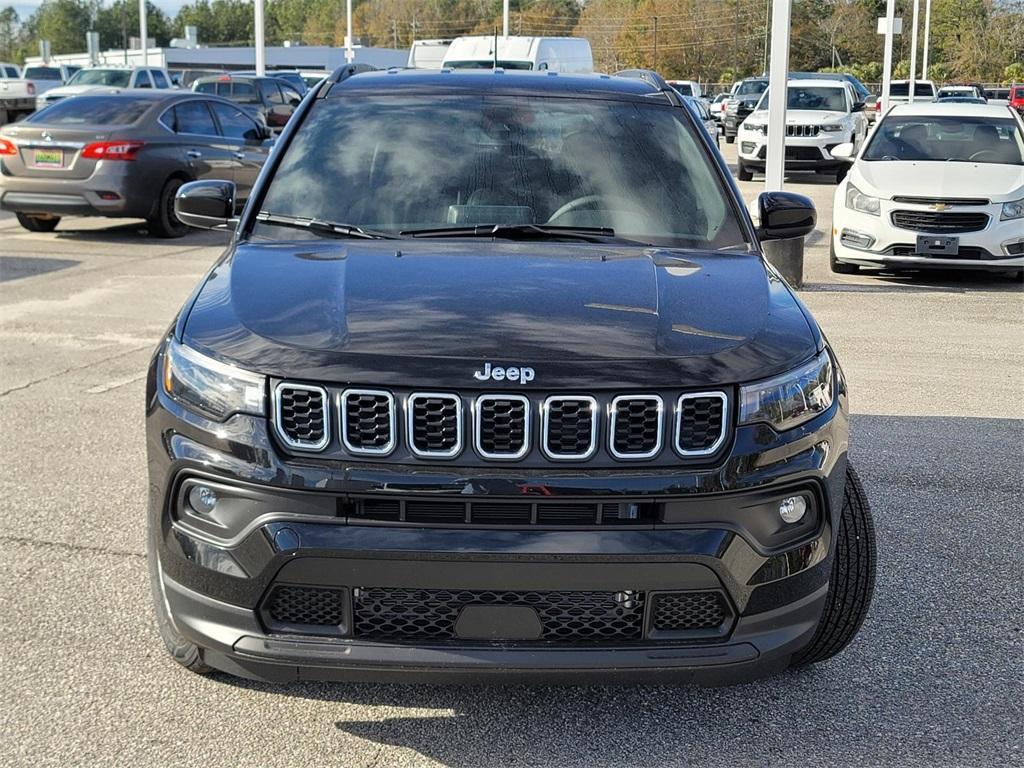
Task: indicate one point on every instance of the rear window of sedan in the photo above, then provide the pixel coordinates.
(93, 110)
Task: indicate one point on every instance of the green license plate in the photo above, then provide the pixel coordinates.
(48, 158)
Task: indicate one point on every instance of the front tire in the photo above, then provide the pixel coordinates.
(852, 581)
(164, 222)
(745, 173)
(730, 139)
(839, 267)
(38, 223)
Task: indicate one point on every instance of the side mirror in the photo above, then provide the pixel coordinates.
(784, 215)
(206, 204)
(858, 106)
(842, 151)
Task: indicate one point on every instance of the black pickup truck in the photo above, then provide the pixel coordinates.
(741, 104)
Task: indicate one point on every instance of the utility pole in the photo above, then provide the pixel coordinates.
(778, 92)
(913, 54)
(736, 43)
(143, 32)
(394, 33)
(349, 53)
(259, 34)
(124, 29)
(927, 33)
(890, 14)
(764, 57)
(504, 19)
(655, 19)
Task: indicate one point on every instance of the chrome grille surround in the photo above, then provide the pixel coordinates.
(478, 423)
(677, 423)
(546, 427)
(410, 429)
(613, 420)
(302, 445)
(392, 428)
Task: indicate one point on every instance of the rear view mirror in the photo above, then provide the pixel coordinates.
(206, 204)
(783, 215)
(842, 151)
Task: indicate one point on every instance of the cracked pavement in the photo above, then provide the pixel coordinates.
(935, 368)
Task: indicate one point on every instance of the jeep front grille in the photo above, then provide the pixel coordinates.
(302, 419)
(536, 428)
(368, 421)
(435, 424)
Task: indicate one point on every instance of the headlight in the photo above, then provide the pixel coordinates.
(212, 388)
(858, 201)
(1012, 210)
(832, 127)
(791, 399)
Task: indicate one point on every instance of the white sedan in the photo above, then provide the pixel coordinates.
(936, 185)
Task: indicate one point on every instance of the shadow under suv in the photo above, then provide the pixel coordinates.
(496, 383)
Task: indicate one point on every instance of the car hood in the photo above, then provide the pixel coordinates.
(888, 179)
(74, 90)
(804, 116)
(429, 313)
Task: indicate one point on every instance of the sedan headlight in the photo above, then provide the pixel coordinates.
(209, 387)
(791, 399)
(858, 201)
(1012, 210)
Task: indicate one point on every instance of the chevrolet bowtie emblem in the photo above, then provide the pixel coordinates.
(939, 207)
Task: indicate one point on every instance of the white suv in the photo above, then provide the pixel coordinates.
(938, 185)
(820, 115)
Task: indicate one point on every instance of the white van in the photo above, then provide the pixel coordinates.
(557, 54)
(687, 88)
(428, 54)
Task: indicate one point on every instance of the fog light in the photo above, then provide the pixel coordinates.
(202, 499)
(854, 239)
(793, 508)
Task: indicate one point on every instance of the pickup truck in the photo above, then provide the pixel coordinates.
(17, 95)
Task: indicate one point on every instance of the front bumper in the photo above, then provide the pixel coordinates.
(303, 534)
(802, 153)
(998, 246)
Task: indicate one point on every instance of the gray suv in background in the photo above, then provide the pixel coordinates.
(125, 155)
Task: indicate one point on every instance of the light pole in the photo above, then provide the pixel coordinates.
(912, 86)
(504, 19)
(927, 33)
(778, 75)
(143, 32)
(890, 14)
(261, 60)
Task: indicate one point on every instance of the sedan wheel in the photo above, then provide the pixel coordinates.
(164, 222)
(38, 223)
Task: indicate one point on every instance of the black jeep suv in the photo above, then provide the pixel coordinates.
(493, 380)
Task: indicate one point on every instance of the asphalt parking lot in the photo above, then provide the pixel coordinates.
(936, 677)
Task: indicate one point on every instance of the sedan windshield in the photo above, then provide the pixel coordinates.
(635, 171)
(118, 78)
(947, 139)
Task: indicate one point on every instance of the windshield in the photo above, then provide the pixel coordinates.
(752, 87)
(420, 163)
(93, 110)
(118, 78)
(963, 139)
(813, 98)
(41, 73)
(489, 64)
(903, 89)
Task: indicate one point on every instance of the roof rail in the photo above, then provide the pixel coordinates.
(347, 70)
(651, 77)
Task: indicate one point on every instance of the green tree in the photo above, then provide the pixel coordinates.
(217, 22)
(62, 22)
(9, 39)
(122, 17)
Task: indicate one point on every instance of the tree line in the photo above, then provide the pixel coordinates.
(710, 40)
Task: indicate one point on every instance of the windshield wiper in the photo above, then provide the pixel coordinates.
(322, 226)
(521, 232)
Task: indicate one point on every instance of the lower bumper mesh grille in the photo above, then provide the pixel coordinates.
(416, 616)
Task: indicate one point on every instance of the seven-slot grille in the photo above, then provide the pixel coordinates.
(302, 418)
(570, 427)
(501, 426)
(636, 426)
(700, 423)
(940, 221)
(435, 424)
(368, 421)
(802, 130)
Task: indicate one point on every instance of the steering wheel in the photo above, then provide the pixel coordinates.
(585, 202)
(981, 156)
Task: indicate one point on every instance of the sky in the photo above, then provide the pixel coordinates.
(25, 8)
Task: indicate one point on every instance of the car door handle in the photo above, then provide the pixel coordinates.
(195, 154)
